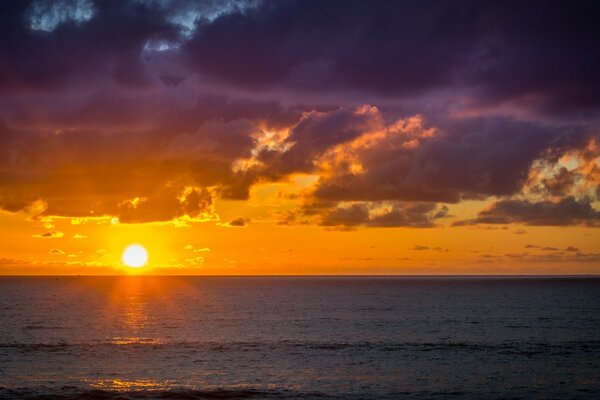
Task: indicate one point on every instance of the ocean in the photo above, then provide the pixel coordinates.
(299, 337)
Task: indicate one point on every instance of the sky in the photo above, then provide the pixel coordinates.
(300, 137)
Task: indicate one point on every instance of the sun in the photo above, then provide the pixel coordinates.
(135, 256)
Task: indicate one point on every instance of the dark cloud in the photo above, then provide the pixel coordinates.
(553, 257)
(239, 222)
(354, 215)
(561, 183)
(464, 159)
(415, 215)
(50, 235)
(540, 54)
(317, 132)
(567, 211)
(96, 173)
(168, 204)
(105, 48)
(549, 248)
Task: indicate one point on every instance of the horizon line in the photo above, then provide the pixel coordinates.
(304, 275)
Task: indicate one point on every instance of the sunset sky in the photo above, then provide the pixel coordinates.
(300, 137)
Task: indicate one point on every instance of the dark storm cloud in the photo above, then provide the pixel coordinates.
(539, 54)
(567, 211)
(542, 52)
(105, 48)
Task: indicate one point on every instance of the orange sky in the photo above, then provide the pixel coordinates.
(94, 246)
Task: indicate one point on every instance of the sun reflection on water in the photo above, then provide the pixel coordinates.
(125, 385)
(132, 340)
(135, 304)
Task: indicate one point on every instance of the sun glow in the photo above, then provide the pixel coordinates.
(135, 256)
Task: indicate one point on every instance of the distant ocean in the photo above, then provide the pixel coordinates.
(300, 338)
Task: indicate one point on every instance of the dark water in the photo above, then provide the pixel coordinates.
(264, 338)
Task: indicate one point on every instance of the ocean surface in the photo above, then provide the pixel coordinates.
(299, 338)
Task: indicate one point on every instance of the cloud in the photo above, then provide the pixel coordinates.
(567, 211)
(358, 155)
(167, 178)
(561, 183)
(419, 247)
(361, 157)
(391, 51)
(353, 215)
(376, 215)
(195, 203)
(550, 248)
(553, 257)
(336, 49)
(47, 15)
(441, 249)
(410, 160)
(237, 222)
(116, 31)
(317, 132)
(50, 235)
(12, 262)
(392, 107)
(195, 260)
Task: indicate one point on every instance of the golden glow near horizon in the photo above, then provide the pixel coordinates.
(261, 246)
(135, 256)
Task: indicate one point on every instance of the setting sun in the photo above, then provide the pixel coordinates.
(135, 256)
(299, 199)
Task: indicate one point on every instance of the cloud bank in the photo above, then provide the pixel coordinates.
(155, 110)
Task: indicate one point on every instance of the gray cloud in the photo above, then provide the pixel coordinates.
(567, 211)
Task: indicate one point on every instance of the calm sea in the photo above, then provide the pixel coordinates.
(275, 337)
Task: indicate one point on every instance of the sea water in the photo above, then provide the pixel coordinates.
(300, 337)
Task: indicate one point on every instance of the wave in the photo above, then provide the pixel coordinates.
(528, 348)
(74, 393)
